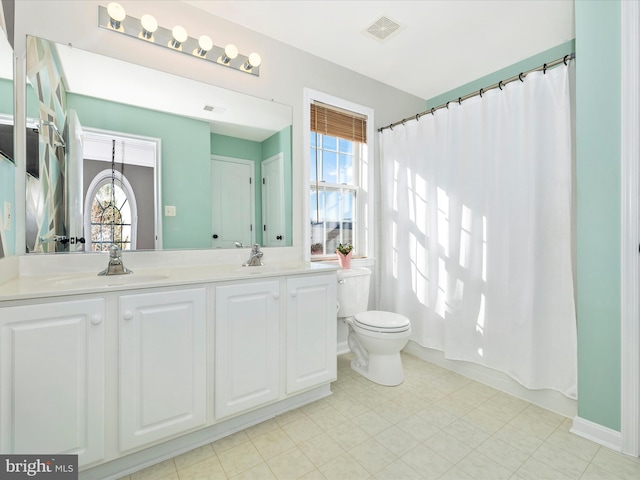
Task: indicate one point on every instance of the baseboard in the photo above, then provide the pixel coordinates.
(597, 433)
(343, 347)
(548, 399)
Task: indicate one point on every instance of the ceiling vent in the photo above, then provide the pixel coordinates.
(382, 29)
(211, 108)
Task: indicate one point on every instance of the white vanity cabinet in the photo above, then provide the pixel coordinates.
(311, 331)
(124, 376)
(162, 365)
(247, 346)
(52, 379)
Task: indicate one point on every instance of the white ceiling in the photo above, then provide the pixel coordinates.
(442, 44)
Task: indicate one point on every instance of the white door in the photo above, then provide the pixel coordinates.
(246, 346)
(52, 379)
(232, 198)
(311, 331)
(273, 234)
(162, 365)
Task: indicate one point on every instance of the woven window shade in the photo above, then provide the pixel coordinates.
(338, 123)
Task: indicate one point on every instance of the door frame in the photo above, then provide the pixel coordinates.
(630, 210)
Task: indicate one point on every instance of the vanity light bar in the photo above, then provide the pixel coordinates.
(176, 39)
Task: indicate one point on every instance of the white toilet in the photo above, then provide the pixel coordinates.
(375, 337)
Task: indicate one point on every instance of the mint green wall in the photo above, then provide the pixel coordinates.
(281, 142)
(7, 170)
(186, 163)
(598, 75)
(8, 194)
(6, 96)
(510, 71)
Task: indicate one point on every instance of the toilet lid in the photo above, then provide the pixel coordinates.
(383, 321)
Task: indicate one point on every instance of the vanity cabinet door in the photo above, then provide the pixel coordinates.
(311, 331)
(246, 346)
(162, 366)
(52, 379)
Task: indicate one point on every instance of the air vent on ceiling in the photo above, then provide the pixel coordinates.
(211, 108)
(382, 29)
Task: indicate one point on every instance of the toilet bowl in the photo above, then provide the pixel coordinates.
(375, 337)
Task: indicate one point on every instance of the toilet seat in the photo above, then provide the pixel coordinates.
(382, 322)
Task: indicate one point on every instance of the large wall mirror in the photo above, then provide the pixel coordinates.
(7, 164)
(124, 154)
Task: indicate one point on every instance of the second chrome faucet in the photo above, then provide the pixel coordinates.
(255, 257)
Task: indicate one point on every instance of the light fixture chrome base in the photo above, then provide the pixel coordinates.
(162, 37)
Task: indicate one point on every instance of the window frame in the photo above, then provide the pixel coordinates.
(365, 201)
(102, 178)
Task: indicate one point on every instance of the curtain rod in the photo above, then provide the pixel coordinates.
(480, 92)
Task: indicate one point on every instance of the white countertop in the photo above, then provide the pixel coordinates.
(44, 286)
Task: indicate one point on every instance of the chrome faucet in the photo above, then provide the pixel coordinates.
(115, 266)
(255, 257)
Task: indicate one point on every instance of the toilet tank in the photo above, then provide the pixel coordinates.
(353, 291)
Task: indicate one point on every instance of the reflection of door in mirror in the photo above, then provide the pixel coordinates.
(120, 191)
(232, 202)
(273, 234)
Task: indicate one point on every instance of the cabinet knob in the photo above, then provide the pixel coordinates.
(127, 315)
(294, 293)
(96, 319)
(275, 296)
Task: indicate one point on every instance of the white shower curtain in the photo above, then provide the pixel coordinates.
(476, 244)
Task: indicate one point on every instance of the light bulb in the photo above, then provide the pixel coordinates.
(231, 52)
(149, 25)
(204, 45)
(116, 14)
(254, 60)
(179, 35)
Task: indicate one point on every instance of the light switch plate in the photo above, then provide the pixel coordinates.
(7, 216)
(169, 211)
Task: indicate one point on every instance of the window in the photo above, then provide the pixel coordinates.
(337, 150)
(111, 213)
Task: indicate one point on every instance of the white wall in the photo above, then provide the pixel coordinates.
(284, 73)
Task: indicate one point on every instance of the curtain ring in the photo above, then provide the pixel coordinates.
(459, 100)
(391, 126)
(520, 77)
(500, 84)
(433, 111)
(481, 92)
(565, 60)
(447, 105)
(544, 69)
(403, 120)
(417, 117)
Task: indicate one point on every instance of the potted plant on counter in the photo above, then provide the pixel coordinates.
(344, 254)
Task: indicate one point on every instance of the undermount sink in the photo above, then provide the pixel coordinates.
(108, 280)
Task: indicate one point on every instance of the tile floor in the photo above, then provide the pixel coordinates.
(437, 424)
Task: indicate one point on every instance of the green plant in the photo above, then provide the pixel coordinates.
(344, 249)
